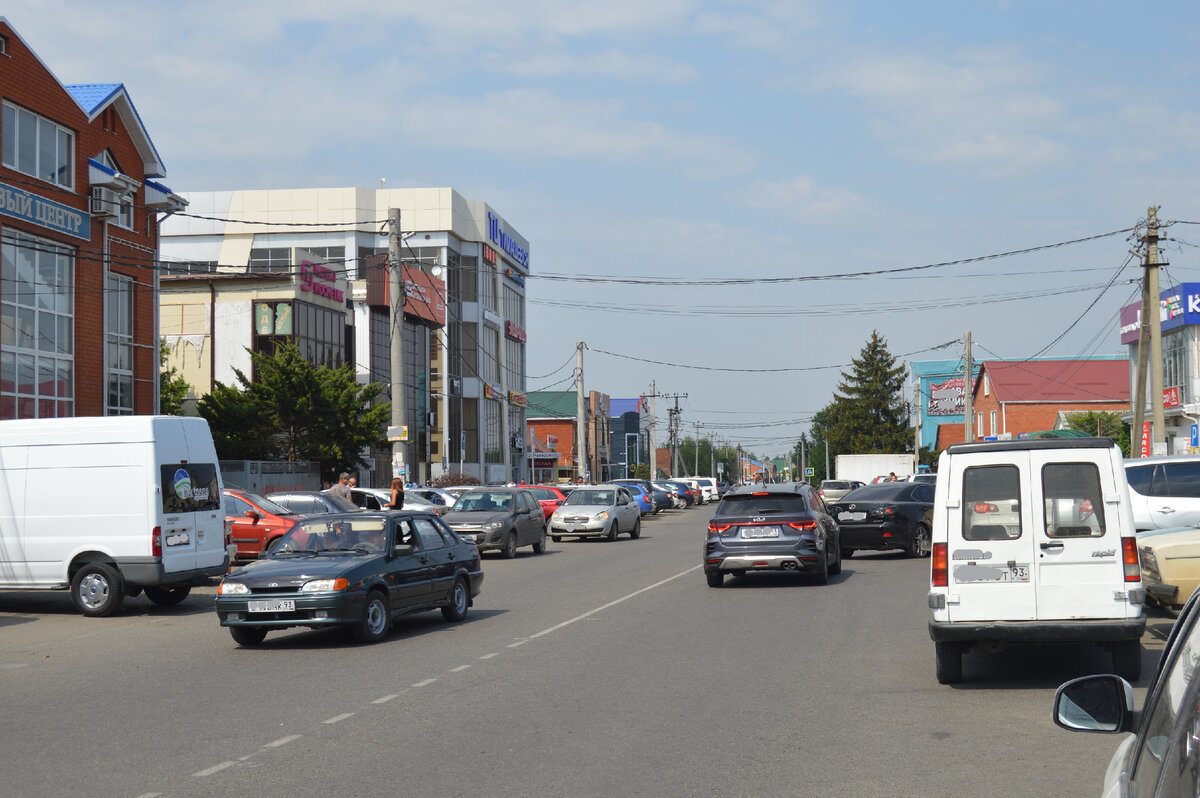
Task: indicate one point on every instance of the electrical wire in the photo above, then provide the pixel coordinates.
(756, 371)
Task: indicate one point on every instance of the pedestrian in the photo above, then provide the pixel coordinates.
(892, 476)
(397, 500)
(353, 482)
(342, 488)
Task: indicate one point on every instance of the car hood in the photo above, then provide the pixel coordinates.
(475, 517)
(296, 569)
(584, 509)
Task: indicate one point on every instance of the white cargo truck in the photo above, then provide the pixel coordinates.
(865, 467)
(109, 507)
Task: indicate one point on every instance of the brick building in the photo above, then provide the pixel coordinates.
(79, 237)
(1011, 398)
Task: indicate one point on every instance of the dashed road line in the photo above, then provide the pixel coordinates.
(339, 718)
(489, 656)
(425, 683)
(385, 699)
(213, 769)
(459, 669)
(282, 741)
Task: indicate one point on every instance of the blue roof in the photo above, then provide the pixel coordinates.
(92, 96)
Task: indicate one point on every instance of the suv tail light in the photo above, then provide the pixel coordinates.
(715, 528)
(940, 566)
(802, 524)
(1129, 555)
(156, 541)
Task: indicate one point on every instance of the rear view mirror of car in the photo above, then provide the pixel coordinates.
(1102, 703)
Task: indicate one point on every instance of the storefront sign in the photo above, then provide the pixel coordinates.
(424, 296)
(517, 399)
(551, 441)
(1171, 397)
(492, 391)
(1178, 306)
(311, 272)
(491, 318)
(514, 331)
(947, 398)
(273, 318)
(506, 242)
(489, 255)
(21, 204)
(515, 277)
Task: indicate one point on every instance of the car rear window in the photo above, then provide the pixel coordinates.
(1074, 507)
(991, 503)
(833, 484)
(758, 504)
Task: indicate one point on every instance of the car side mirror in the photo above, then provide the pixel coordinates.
(403, 550)
(253, 515)
(558, 503)
(1101, 703)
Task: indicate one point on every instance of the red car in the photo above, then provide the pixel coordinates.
(254, 522)
(549, 498)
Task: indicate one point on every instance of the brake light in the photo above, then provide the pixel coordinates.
(986, 507)
(940, 571)
(156, 541)
(1129, 555)
(802, 524)
(715, 528)
(764, 493)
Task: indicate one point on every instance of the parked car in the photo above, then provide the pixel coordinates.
(359, 570)
(595, 511)
(1164, 491)
(643, 497)
(1033, 541)
(685, 492)
(1161, 758)
(697, 489)
(255, 522)
(887, 516)
(927, 479)
(313, 502)
(708, 486)
(1170, 560)
(548, 497)
(503, 519)
(784, 527)
(672, 492)
(378, 498)
(722, 488)
(433, 496)
(834, 489)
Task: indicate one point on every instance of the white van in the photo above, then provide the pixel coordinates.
(1033, 540)
(110, 506)
(709, 486)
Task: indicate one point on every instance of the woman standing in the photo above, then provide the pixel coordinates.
(397, 502)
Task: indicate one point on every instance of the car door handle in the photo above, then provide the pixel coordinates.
(1166, 509)
(1055, 545)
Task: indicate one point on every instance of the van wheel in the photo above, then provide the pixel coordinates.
(248, 635)
(919, 547)
(97, 589)
(168, 596)
(375, 621)
(1127, 659)
(949, 662)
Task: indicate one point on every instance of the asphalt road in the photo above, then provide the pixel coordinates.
(595, 669)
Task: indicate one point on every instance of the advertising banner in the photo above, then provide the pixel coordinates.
(424, 296)
(947, 398)
(1178, 306)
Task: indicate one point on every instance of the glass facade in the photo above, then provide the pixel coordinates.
(118, 333)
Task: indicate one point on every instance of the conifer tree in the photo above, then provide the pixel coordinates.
(868, 414)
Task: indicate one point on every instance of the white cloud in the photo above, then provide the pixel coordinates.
(621, 65)
(802, 199)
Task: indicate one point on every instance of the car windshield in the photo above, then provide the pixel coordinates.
(483, 502)
(761, 504)
(364, 535)
(265, 504)
(603, 498)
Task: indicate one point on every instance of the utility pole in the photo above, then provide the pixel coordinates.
(653, 460)
(917, 425)
(697, 457)
(673, 426)
(580, 410)
(1149, 348)
(396, 343)
(968, 405)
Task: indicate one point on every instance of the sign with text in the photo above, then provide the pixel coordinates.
(424, 296)
(1178, 306)
(21, 204)
(947, 398)
(1171, 397)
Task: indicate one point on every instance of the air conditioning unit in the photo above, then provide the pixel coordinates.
(104, 203)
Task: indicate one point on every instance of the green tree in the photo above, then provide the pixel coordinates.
(172, 387)
(241, 424)
(1102, 424)
(868, 414)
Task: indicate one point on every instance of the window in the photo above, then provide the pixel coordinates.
(37, 328)
(38, 147)
(118, 333)
(979, 424)
(1182, 480)
(187, 266)
(1074, 507)
(991, 503)
(271, 259)
(431, 538)
(993, 422)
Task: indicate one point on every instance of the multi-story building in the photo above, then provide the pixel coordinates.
(552, 430)
(79, 219)
(245, 278)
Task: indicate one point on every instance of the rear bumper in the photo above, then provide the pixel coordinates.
(873, 537)
(149, 571)
(1103, 630)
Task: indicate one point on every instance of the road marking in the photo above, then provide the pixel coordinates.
(213, 769)
(425, 683)
(489, 656)
(339, 718)
(149, 795)
(459, 668)
(518, 643)
(385, 699)
(282, 741)
(612, 603)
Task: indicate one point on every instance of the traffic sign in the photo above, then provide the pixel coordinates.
(810, 471)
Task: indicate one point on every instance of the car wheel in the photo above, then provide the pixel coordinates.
(556, 538)
(460, 600)
(248, 635)
(949, 662)
(97, 589)
(847, 553)
(510, 546)
(375, 621)
(919, 546)
(612, 530)
(715, 578)
(822, 576)
(1127, 659)
(539, 545)
(168, 596)
(836, 568)
(637, 529)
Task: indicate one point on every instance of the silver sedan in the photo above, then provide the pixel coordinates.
(597, 511)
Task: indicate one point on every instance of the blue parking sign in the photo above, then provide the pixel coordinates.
(1195, 435)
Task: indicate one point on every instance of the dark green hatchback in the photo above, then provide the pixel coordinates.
(358, 570)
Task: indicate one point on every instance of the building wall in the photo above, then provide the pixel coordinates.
(1019, 417)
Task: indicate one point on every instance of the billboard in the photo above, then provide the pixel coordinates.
(1178, 306)
(947, 398)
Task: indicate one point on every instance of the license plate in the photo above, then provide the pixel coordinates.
(852, 516)
(278, 605)
(991, 573)
(572, 527)
(760, 532)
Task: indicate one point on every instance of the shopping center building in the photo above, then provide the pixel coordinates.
(245, 270)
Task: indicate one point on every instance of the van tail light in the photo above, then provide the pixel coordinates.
(156, 541)
(940, 573)
(802, 524)
(1129, 555)
(715, 528)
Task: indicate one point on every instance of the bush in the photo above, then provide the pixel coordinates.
(454, 478)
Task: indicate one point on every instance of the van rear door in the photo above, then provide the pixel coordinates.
(192, 523)
(990, 539)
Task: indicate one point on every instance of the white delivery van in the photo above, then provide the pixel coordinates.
(110, 506)
(1033, 541)
(709, 486)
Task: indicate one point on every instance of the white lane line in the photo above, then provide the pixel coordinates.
(612, 603)
(150, 795)
(425, 683)
(213, 769)
(459, 669)
(489, 656)
(385, 699)
(518, 643)
(282, 741)
(339, 718)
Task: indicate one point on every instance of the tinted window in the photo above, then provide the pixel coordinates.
(189, 487)
(924, 494)
(1183, 479)
(832, 484)
(991, 503)
(300, 504)
(884, 491)
(752, 504)
(1073, 505)
(431, 538)
(1139, 478)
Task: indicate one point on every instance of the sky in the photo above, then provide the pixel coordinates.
(767, 166)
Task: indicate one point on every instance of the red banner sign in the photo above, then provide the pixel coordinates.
(1170, 397)
(514, 331)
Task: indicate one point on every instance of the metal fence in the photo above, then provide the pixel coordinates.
(271, 476)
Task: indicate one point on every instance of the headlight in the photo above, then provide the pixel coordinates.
(601, 516)
(232, 589)
(554, 516)
(494, 525)
(323, 585)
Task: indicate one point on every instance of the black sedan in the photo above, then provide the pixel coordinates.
(358, 570)
(889, 515)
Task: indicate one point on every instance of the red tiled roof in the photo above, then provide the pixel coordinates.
(1057, 380)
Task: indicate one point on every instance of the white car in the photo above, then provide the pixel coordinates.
(597, 511)
(377, 499)
(1164, 491)
(434, 496)
(709, 486)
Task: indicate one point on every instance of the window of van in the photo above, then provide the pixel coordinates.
(190, 487)
(1074, 507)
(991, 504)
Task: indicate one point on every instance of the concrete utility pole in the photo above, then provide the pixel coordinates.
(697, 456)
(396, 344)
(580, 412)
(968, 405)
(502, 364)
(653, 458)
(1149, 348)
(916, 425)
(673, 427)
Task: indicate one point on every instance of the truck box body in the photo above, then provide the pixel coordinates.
(865, 467)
